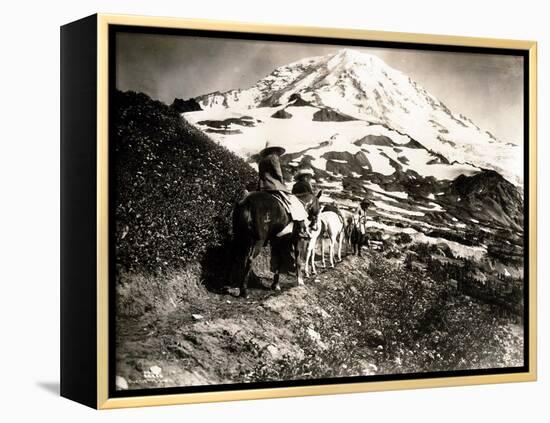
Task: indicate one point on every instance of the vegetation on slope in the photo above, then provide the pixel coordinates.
(368, 316)
(174, 187)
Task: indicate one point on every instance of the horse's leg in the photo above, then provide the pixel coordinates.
(340, 241)
(250, 255)
(308, 255)
(299, 249)
(276, 264)
(347, 240)
(275, 285)
(323, 264)
(246, 264)
(332, 243)
(313, 250)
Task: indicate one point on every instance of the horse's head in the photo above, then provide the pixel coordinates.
(313, 209)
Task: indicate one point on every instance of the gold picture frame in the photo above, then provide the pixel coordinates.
(98, 396)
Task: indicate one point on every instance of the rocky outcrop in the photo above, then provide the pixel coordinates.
(183, 106)
(281, 114)
(330, 115)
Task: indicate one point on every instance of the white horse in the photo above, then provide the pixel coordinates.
(312, 246)
(332, 226)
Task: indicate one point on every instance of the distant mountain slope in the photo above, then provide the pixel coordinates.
(491, 196)
(361, 86)
(368, 130)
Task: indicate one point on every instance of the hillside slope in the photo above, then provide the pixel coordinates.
(368, 316)
(174, 187)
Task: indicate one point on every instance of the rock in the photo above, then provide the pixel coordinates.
(314, 335)
(324, 314)
(155, 370)
(375, 337)
(197, 316)
(281, 114)
(120, 383)
(370, 369)
(273, 350)
(182, 106)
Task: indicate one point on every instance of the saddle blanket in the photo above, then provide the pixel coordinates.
(292, 205)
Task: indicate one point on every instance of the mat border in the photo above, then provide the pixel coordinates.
(103, 399)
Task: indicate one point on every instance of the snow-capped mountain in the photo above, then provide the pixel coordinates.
(369, 131)
(344, 97)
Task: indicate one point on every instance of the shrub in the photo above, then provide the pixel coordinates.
(408, 323)
(403, 238)
(174, 187)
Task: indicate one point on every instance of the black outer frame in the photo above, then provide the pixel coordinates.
(79, 211)
(79, 114)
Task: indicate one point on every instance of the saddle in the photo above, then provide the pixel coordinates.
(295, 209)
(292, 205)
(283, 199)
(333, 208)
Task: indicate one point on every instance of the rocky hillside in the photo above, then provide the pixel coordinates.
(491, 196)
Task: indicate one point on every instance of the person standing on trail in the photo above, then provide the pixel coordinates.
(360, 217)
(364, 206)
(303, 181)
(271, 180)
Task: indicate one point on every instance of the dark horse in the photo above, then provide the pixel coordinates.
(256, 221)
(357, 234)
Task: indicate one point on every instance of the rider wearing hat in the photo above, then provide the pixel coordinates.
(271, 180)
(303, 181)
(269, 167)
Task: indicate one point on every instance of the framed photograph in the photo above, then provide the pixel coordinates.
(256, 211)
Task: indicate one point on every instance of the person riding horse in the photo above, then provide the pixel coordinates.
(303, 181)
(303, 185)
(271, 180)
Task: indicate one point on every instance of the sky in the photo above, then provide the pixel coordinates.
(486, 88)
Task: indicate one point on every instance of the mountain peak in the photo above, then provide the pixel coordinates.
(352, 55)
(349, 58)
(362, 86)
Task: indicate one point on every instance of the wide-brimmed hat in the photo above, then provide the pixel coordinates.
(304, 171)
(271, 147)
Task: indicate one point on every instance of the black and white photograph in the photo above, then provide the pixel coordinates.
(304, 211)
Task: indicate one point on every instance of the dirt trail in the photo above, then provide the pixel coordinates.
(344, 321)
(219, 339)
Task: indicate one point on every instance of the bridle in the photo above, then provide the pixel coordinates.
(313, 217)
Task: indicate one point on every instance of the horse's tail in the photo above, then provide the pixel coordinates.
(242, 222)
